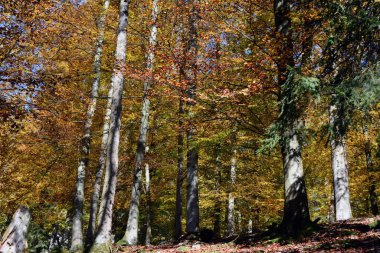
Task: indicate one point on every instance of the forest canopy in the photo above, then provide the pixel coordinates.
(143, 122)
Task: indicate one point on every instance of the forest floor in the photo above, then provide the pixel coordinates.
(359, 235)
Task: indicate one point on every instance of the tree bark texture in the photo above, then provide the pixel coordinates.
(339, 165)
(14, 239)
(148, 234)
(231, 198)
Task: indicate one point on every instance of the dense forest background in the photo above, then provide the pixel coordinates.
(227, 86)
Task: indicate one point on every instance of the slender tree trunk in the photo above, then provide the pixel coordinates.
(14, 239)
(148, 234)
(231, 198)
(296, 210)
(178, 200)
(77, 230)
(95, 215)
(131, 233)
(99, 173)
(250, 226)
(102, 242)
(238, 218)
(192, 205)
(218, 204)
(369, 162)
(102, 161)
(339, 166)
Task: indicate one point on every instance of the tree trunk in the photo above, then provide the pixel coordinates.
(369, 162)
(250, 226)
(102, 242)
(102, 161)
(95, 215)
(192, 205)
(296, 210)
(178, 199)
(231, 198)
(14, 239)
(238, 218)
(77, 229)
(131, 233)
(218, 204)
(339, 165)
(148, 235)
(95, 198)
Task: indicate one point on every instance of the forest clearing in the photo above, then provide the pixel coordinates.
(189, 126)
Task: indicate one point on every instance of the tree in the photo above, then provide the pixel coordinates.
(102, 240)
(350, 38)
(296, 209)
(77, 244)
(339, 164)
(14, 238)
(131, 232)
(231, 198)
(192, 205)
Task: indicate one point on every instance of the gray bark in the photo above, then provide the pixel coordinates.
(103, 240)
(148, 234)
(14, 239)
(102, 159)
(77, 229)
(231, 198)
(296, 209)
(95, 214)
(250, 226)
(95, 198)
(339, 166)
(131, 233)
(192, 205)
(238, 219)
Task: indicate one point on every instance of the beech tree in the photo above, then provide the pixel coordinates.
(342, 74)
(296, 209)
(77, 244)
(102, 240)
(14, 239)
(192, 204)
(131, 232)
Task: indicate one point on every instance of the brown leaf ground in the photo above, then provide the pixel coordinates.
(352, 236)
